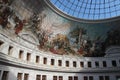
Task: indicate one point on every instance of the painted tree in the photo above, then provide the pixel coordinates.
(78, 33)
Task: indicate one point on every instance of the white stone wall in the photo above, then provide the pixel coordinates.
(13, 71)
(33, 68)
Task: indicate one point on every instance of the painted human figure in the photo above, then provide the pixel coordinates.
(81, 50)
(19, 26)
(5, 12)
(37, 22)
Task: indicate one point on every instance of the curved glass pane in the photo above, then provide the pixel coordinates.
(89, 9)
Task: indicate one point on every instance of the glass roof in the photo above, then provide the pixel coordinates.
(89, 9)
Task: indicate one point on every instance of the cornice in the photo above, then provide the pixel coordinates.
(11, 61)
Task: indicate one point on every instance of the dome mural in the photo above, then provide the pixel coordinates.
(53, 33)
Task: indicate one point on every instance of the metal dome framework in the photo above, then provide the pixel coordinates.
(89, 9)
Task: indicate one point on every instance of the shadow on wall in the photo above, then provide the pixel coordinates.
(6, 71)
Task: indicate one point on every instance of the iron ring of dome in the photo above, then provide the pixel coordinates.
(109, 10)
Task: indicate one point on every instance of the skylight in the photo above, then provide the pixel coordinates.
(89, 9)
